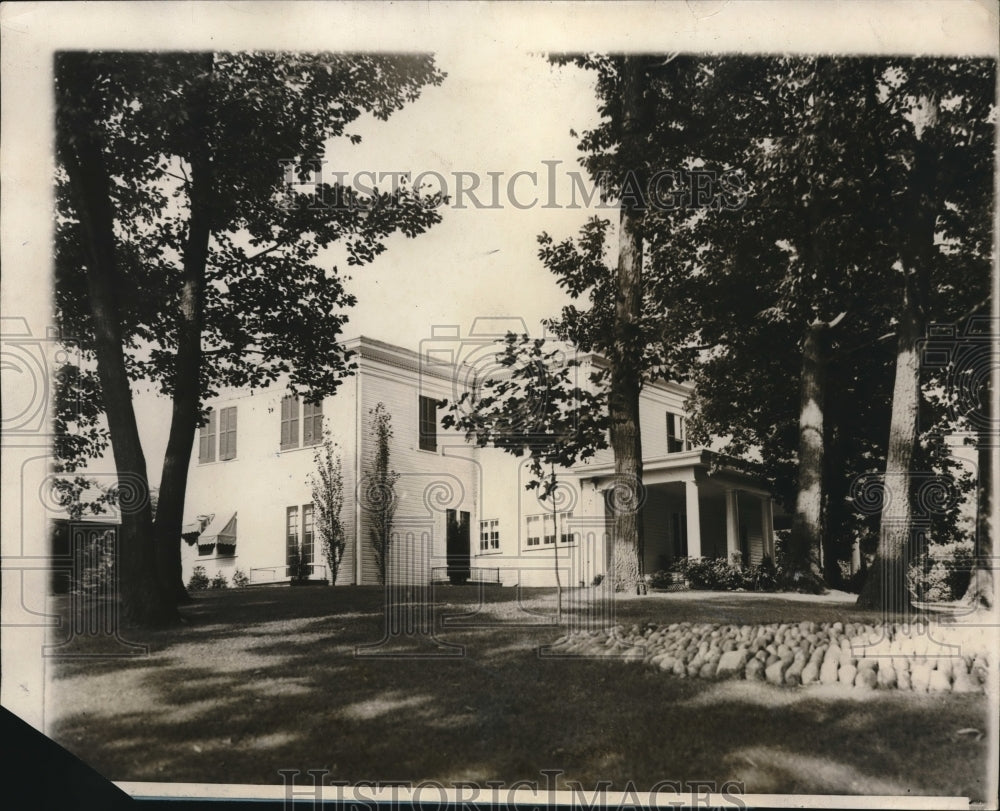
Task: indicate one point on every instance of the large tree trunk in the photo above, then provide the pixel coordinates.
(626, 380)
(143, 601)
(807, 524)
(885, 587)
(187, 370)
(982, 584)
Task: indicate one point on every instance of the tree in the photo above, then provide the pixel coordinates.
(328, 495)
(535, 408)
(937, 129)
(380, 489)
(184, 257)
(618, 324)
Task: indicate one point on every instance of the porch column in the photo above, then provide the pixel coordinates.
(732, 523)
(693, 518)
(767, 525)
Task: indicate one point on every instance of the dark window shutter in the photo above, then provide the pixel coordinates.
(206, 440)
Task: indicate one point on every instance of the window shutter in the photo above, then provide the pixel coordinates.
(289, 422)
(206, 440)
(428, 424)
(227, 433)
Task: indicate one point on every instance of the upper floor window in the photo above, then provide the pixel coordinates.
(676, 434)
(227, 433)
(312, 423)
(206, 440)
(289, 422)
(221, 424)
(311, 418)
(428, 423)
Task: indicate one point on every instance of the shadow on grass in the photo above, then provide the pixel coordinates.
(263, 680)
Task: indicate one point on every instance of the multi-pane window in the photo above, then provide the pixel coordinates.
(291, 533)
(489, 535)
(289, 422)
(428, 423)
(312, 423)
(227, 433)
(676, 434)
(308, 532)
(566, 535)
(300, 537)
(542, 529)
(534, 535)
(549, 529)
(206, 440)
(223, 425)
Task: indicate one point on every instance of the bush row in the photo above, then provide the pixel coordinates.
(199, 580)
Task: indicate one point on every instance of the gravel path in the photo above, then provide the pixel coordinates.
(921, 658)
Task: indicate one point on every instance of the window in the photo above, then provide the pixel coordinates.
(291, 533)
(206, 440)
(227, 433)
(676, 434)
(549, 525)
(307, 533)
(289, 423)
(565, 536)
(489, 535)
(312, 423)
(534, 530)
(542, 530)
(428, 423)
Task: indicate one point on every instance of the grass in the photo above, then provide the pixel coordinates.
(263, 679)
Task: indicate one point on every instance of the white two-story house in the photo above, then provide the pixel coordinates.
(462, 512)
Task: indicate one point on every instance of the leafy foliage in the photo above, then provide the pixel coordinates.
(535, 407)
(199, 579)
(240, 579)
(941, 573)
(193, 252)
(820, 152)
(96, 573)
(219, 581)
(328, 497)
(380, 489)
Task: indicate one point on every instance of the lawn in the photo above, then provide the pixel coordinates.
(264, 679)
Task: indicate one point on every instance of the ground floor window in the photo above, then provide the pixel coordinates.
(541, 529)
(299, 532)
(489, 535)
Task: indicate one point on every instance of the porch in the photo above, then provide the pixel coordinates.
(695, 504)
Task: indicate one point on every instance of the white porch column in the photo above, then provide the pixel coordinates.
(767, 525)
(732, 524)
(693, 518)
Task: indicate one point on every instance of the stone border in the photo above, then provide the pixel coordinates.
(920, 657)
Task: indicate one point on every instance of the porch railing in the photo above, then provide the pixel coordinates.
(279, 573)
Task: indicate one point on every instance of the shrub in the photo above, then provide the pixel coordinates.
(199, 580)
(240, 580)
(219, 581)
(299, 568)
(96, 574)
(598, 579)
(942, 571)
(660, 579)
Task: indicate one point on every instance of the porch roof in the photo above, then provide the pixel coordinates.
(698, 465)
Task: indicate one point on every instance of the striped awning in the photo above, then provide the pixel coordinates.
(221, 529)
(191, 529)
